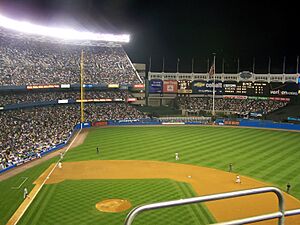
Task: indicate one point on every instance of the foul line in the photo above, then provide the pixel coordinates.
(47, 177)
(16, 188)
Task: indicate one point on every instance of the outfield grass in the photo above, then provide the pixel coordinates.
(267, 155)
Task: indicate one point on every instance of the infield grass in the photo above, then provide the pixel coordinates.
(73, 202)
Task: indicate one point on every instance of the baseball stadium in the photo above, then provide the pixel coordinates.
(89, 137)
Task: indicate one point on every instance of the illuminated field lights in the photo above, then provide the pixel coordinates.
(61, 33)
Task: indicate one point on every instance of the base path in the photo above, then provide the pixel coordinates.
(204, 180)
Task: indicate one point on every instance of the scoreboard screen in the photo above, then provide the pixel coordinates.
(246, 88)
(184, 86)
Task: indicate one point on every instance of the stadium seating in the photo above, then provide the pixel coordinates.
(25, 61)
(25, 132)
(238, 106)
(28, 97)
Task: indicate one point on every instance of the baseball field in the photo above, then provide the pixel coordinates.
(136, 165)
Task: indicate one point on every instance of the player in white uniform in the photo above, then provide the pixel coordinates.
(25, 193)
(238, 179)
(59, 165)
(176, 156)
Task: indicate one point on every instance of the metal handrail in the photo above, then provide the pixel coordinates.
(280, 215)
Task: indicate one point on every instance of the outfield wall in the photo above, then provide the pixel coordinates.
(269, 124)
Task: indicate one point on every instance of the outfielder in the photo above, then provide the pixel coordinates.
(176, 156)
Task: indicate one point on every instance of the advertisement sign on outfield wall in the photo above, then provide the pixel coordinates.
(99, 123)
(170, 86)
(155, 86)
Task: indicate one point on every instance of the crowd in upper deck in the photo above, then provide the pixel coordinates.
(28, 62)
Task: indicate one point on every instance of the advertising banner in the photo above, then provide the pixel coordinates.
(113, 86)
(131, 99)
(280, 99)
(155, 86)
(139, 86)
(65, 86)
(63, 101)
(170, 86)
(30, 87)
(99, 123)
(232, 122)
(235, 96)
(283, 89)
(203, 87)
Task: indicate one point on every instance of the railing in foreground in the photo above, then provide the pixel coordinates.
(280, 214)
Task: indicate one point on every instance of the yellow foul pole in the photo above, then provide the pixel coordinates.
(81, 88)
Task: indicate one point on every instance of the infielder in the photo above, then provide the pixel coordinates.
(238, 179)
(59, 165)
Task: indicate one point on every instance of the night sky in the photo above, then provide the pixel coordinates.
(182, 29)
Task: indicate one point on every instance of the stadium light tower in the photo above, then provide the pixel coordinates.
(60, 33)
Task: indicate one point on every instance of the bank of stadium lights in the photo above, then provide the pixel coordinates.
(61, 33)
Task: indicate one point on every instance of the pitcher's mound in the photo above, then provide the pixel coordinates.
(113, 205)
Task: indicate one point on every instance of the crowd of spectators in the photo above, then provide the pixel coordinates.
(26, 133)
(29, 62)
(238, 106)
(33, 96)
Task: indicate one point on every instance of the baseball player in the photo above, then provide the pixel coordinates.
(288, 187)
(59, 165)
(25, 193)
(176, 156)
(230, 167)
(238, 179)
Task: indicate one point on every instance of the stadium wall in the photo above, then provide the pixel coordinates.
(269, 124)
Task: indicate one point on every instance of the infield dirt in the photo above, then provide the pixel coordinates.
(204, 180)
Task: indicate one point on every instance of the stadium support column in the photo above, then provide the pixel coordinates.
(81, 88)
(214, 85)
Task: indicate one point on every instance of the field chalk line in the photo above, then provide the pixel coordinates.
(47, 177)
(16, 188)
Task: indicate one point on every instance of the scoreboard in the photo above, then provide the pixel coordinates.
(246, 88)
(184, 86)
(243, 88)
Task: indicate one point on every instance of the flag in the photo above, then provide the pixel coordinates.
(211, 71)
(178, 61)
